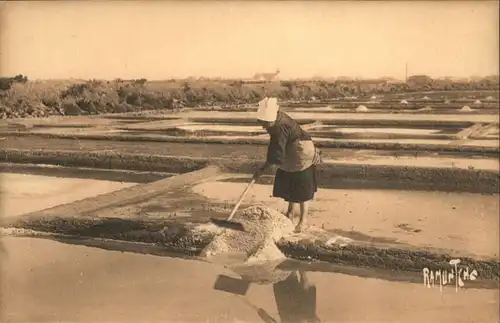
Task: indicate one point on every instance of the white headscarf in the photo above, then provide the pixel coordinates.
(268, 110)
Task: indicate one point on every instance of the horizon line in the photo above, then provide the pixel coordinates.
(195, 77)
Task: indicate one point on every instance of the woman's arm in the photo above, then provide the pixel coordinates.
(262, 169)
(276, 150)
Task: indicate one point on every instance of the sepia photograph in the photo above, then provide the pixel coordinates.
(249, 161)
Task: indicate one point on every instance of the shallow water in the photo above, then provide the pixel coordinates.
(387, 130)
(51, 281)
(220, 127)
(22, 193)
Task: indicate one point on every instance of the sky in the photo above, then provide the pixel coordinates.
(168, 39)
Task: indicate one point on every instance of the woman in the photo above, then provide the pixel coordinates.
(293, 151)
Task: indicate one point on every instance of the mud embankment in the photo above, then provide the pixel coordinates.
(114, 175)
(105, 160)
(418, 108)
(427, 178)
(461, 149)
(341, 121)
(164, 236)
(200, 149)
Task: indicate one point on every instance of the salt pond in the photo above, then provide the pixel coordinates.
(21, 193)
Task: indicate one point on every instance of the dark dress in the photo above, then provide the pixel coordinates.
(295, 187)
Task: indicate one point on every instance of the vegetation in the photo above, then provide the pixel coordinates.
(20, 97)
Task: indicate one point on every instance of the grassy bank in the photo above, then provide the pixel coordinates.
(21, 98)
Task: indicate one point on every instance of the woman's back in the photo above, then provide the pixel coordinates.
(291, 127)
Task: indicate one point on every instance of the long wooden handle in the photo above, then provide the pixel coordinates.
(241, 200)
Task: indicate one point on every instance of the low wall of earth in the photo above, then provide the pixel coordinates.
(329, 174)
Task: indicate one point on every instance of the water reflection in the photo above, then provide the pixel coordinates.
(296, 299)
(294, 294)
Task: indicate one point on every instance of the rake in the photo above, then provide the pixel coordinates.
(231, 224)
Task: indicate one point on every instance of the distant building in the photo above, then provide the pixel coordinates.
(344, 78)
(267, 77)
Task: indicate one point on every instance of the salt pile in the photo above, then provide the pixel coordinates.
(338, 240)
(403, 102)
(361, 108)
(263, 228)
(477, 102)
(262, 273)
(489, 98)
(466, 109)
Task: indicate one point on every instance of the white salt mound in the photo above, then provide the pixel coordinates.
(267, 251)
(361, 108)
(338, 240)
(263, 228)
(466, 109)
(489, 98)
(426, 98)
(477, 102)
(403, 102)
(262, 273)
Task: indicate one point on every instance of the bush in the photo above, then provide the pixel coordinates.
(20, 97)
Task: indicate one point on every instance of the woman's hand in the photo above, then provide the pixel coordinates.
(257, 174)
(261, 170)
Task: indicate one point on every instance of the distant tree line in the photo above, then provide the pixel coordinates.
(21, 98)
(6, 82)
